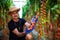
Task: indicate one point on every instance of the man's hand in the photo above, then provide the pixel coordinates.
(30, 27)
(21, 34)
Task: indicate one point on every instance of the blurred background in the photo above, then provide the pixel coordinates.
(48, 21)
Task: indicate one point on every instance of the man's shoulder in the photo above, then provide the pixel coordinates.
(21, 19)
(11, 21)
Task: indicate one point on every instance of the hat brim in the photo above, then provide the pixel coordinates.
(9, 12)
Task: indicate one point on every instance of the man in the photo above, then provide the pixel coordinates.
(16, 24)
(31, 29)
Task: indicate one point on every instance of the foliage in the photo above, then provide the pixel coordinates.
(53, 6)
(4, 6)
(32, 6)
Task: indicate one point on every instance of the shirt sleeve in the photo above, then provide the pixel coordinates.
(24, 21)
(11, 27)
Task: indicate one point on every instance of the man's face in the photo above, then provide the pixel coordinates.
(14, 15)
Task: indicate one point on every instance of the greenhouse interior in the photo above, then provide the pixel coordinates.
(47, 26)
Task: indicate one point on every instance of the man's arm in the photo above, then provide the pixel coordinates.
(29, 26)
(14, 29)
(19, 34)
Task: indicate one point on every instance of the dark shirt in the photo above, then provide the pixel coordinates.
(19, 25)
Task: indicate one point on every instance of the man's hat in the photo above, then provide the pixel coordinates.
(12, 9)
